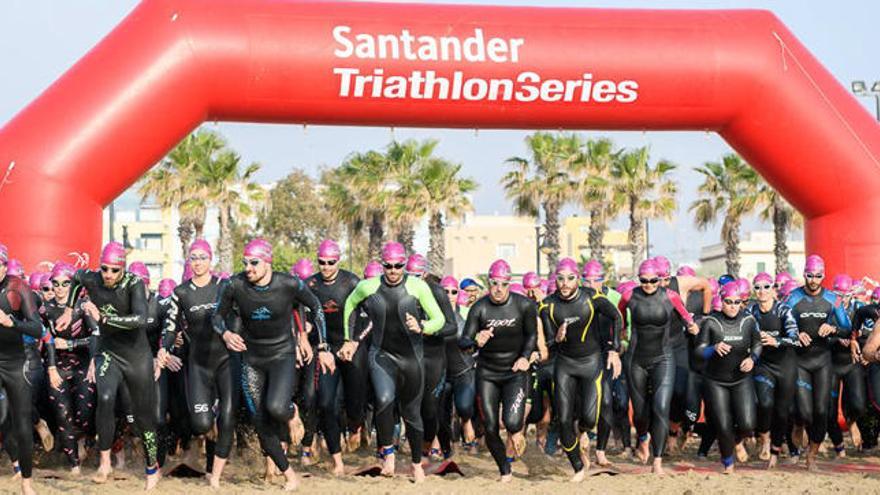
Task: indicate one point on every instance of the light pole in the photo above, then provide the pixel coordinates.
(860, 88)
(540, 247)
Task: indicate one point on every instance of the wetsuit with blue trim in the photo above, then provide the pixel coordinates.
(729, 391)
(16, 302)
(650, 362)
(460, 388)
(815, 369)
(352, 374)
(863, 323)
(396, 353)
(775, 374)
(515, 325)
(269, 365)
(123, 357)
(580, 360)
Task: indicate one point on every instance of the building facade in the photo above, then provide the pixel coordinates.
(756, 256)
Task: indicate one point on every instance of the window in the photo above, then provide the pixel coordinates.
(762, 267)
(505, 251)
(151, 242)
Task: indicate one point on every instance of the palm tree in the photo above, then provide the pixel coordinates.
(729, 187)
(775, 209)
(174, 181)
(436, 190)
(644, 191)
(233, 192)
(544, 180)
(404, 161)
(595, 190)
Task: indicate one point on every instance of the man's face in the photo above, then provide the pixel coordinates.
(473, 293)
(566, 283)
(329, 267)
(764, 291)
(111, 274)
(499, 289)
(255, 269)
(393, 271)
(813, 280)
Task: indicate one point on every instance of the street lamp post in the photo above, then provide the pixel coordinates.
(538, 250)
(860, 88)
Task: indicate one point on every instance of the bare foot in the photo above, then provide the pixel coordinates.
(75, 471)
(742, 456)
(585, 451)
(771, 463)
(642, 452)
(291, 480)
(102, 475)
(672, 444)
(213, 481)
(578, 476)
(388, 466)
(764, 454)
(46, 437)
(601, 460)
(296, 430)
(683, 438)
(271, 471)
(841, 451)
(338, 465)
(120, 460)
(506, 478)
(418, 473)
(152, 481)
(856, 436)
(657, 468)
(811, 458)
(354, 440)
(728, 469)
(27, 488)
(519, 443)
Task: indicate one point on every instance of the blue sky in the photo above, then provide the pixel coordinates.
(40, 39)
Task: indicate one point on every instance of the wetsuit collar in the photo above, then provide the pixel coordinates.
(574, 296)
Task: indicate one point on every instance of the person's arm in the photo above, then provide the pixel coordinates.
(362, 290)
(173, 323)
(77, 287)
(703, 350)
(29, 323)
(789, 325)
(690, 284)
(545, 312)
(757, 346)
(225, 306)
(435, 319)
(471, 327)
(530, 330)
(842, 321)
(604, 306)
(678, 304)
(307, 298)
(48, 341)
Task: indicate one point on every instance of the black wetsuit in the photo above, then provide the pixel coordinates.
(353, 374)
(815, 369)
(435, 364)
(74, 400)
(650, 361)
(396, 353)
(269, 368)
(16, 301)
(864, 322)
(729, 392)
(847, 387)
(515, 324)
(775, 374)
(123, 356)
(580, 360)
(460, 390)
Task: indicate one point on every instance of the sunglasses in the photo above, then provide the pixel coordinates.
(110, 269)
(46, 289)
(498, 283)
(56, 283)
(818, 276)
(327, 262)
(454, 292)
(393, 266)
(199, 257)
(762, 287)
(253, 262)
(648, 280)
(563, 278)
(593, 280)
(733, 302)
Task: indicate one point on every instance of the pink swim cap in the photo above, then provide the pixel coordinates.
(224, 275)
(393, 252)
(875, 294)
(499, 270)
(303, 268)
(113, 254)
(62, 269)
(566, 264)
(329, 250)
(449, 282)
(664, 267)
(627, 286)
(373, 269)
(745, 287)
(782, 278)
(648, 268)
(686, 271)
(166, 287)
(545, 285)
(259, 248)
(416, 264)
(716, 302)
(788, 288)
(45, 280)
(201, 245)
(531, 280)
(593, 269)
(187, 273)
(518, 288)
(731, 289)
(762, 278)
(842, 282)
(713, 282)
(463, 298)
(551, 286)
(34, 280)
(15, 268)
(814, 264)
(4, 252)
(140, 271)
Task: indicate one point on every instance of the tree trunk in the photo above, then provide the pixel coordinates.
(185, 233)
(730, 236)
(597, 235)
(407, 237)
(225, 244)
(377, 232)
(551, 233)
(199, 227)
(437, 244)
(636, 235)
(781, 221)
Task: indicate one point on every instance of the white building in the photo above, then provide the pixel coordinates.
(756, 256)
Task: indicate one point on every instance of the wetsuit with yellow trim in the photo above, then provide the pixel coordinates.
(396, 353)
(580, 360)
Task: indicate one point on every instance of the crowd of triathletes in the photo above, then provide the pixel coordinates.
(325, 361)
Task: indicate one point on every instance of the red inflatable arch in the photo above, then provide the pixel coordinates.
(173, 64)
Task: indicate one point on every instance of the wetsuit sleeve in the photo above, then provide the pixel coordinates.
(349, 316)
(49, 343)
(138, 316)
(306, 298)
(842, 321)
(622, 307)
(77, 286)
(530, 329)
(172, 323)
(471, 327)
(757, 345)
(30, 323)
(704, 349)
(607, 309)
(789, 324)
(435, 320)
(678, 304)
(449, 328)
(868, 312)
(225, 306)
(545, 312)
